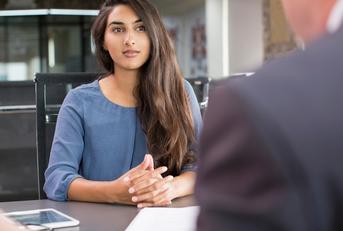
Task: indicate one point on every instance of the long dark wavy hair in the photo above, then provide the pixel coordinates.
(162, 102)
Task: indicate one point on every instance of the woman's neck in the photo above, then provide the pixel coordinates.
(119, 87)
(125, 80)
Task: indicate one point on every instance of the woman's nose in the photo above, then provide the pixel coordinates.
(129, 41)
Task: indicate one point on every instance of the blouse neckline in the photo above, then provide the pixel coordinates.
(109, 101)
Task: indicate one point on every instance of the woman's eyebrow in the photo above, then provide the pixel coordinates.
(122, 23)
(115, 23)
(137, 21)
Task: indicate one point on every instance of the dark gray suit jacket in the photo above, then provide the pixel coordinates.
(271, 152)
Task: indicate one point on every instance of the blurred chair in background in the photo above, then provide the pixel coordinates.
(51, 88)
(200, 86)
(18, 177)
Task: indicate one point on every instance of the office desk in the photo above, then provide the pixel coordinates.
(92, 216)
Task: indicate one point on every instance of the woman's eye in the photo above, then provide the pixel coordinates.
(141, 28)
(117, 29)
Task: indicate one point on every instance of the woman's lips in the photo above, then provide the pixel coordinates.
(131, 53)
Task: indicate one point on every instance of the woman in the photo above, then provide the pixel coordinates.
(142, 105)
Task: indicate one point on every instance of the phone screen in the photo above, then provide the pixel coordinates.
(41, 217)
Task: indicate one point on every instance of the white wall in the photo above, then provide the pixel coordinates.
(217, 38)
(235, 36)
(246, 45)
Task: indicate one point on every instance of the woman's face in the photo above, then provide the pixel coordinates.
(126, 39)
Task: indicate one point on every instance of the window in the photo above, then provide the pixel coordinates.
(20, 43)
(2, 54)
(52, 43)
(64, 48)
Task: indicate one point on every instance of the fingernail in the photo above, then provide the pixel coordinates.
(134, 199)
(167, 203)
(139, 206)
(131, 190)
(170, 177)
(127, 179)
(164, 169)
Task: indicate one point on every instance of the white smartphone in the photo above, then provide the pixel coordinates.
(42, 218)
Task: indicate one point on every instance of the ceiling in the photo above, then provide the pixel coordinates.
(175, 7)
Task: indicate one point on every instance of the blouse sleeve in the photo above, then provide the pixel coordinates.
(197, 120)
(67, 149)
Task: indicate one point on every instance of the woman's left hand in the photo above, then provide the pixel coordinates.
(153, 191)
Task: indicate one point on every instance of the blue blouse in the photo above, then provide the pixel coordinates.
(98, 140)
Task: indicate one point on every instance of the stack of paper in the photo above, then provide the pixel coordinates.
(167, 219)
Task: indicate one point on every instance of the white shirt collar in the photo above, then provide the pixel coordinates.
(336, 17)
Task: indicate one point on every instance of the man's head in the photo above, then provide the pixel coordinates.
(308, 18)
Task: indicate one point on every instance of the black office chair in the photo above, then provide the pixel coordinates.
(51, 88)
(201, 87)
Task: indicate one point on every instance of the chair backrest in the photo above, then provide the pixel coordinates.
(51, 88)
(201, 87)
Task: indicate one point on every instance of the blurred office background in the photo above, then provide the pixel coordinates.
(213, 38)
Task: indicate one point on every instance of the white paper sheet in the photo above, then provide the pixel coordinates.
(167, 219)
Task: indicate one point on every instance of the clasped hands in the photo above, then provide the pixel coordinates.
(146, 187)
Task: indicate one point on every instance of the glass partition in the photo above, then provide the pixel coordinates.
(2, 54)
(64, 49)
(22, 48)
(41, 4)
(49, 43)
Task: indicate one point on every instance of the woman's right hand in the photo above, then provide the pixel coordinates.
(118, 190)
